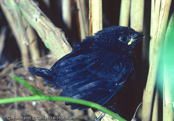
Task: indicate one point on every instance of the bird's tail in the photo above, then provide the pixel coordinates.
(42, 72)
(46, 75)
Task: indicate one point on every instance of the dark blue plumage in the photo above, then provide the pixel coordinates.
(96, 68)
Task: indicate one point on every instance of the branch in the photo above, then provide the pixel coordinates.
(53, 37)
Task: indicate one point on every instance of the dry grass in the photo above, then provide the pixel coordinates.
(39, 109)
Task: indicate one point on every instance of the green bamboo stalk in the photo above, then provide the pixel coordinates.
(124, 13)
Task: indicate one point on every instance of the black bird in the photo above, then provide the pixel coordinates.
(96, 68)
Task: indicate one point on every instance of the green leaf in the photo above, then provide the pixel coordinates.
(40, 96)
(66, 99)
(18, 79)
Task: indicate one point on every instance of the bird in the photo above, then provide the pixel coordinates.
(97, 68)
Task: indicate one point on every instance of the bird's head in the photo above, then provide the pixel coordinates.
(118, 38)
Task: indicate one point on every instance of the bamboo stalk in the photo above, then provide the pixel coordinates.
(95, 16)
(82, 20)
(18, 19)
(66, 13)
(155, 11)
(155, 107)
(124, 13)
(168, 72)
(33, 47)
(137, 15)
(84, 17)
(19, 35)
(53, 37)
(154, 61)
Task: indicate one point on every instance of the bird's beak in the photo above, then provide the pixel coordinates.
(130, 42)
(137, 38)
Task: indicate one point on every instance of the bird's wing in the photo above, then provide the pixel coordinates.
(98, 95)
(95, 77)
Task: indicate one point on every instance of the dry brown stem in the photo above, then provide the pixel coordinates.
(95, 16)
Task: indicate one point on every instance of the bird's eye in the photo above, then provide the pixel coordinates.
(123, 38)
